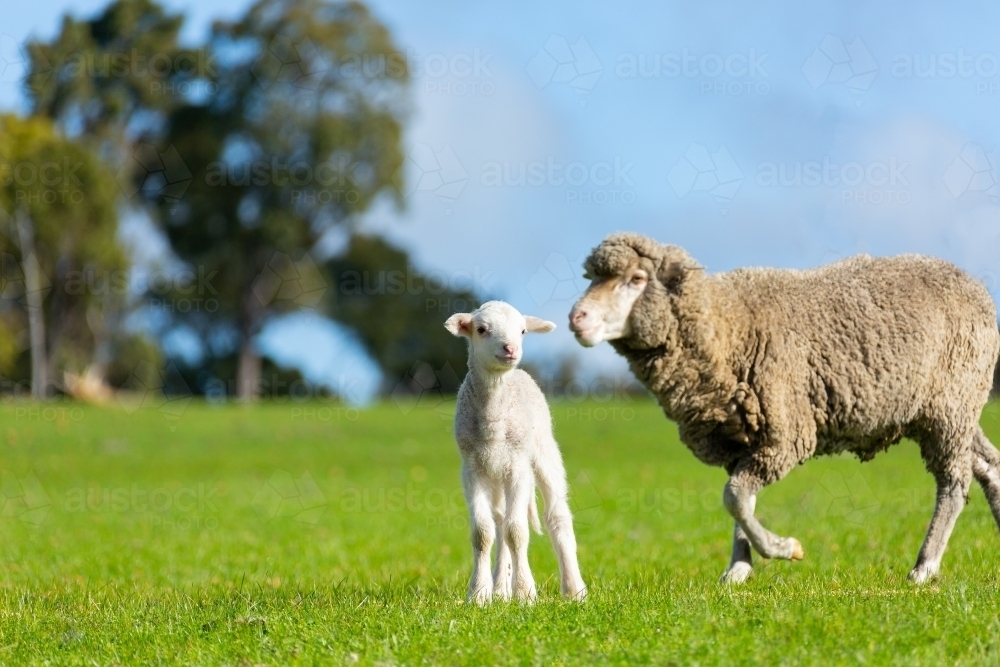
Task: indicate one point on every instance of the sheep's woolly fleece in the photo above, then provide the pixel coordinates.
(765, 367)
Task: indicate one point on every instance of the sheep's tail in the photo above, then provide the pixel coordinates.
(536, 525)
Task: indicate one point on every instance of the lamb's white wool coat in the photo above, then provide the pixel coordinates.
(504, 434)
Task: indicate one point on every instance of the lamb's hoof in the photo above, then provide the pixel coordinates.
(798, 553)
(737, 573)
(502, 591)
(922, 574)
(482, 597)
(526, 596)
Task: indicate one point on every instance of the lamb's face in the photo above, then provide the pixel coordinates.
(603, 312)
(496, 332)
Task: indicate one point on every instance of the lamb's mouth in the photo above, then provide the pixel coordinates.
(507, 360)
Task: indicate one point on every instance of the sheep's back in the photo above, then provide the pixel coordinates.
(877, 343)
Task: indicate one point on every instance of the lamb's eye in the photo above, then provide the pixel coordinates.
(524, 331)
(481, 330)
(638, 279)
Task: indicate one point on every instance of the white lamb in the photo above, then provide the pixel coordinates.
(504, 433)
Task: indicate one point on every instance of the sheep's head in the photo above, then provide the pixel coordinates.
(495, 331)
(632, 280)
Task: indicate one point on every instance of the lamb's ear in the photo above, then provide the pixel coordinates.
(459, 324)
(537, 324)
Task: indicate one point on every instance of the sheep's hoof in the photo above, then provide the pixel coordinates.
(737, 573)
(922, 574)
(798, 553)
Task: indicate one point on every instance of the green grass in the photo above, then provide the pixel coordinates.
(313, 534)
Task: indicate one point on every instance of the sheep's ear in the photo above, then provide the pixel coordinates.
(671, 275)
(673, 272)
(537, 324)
(459, 324)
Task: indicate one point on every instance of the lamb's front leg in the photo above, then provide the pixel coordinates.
(481, 519)
(503, 569)
(519, 490)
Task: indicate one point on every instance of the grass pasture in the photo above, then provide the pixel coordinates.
(290, 533)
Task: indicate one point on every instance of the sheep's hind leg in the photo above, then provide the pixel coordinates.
(741, 563)
(740, 498)
(952, 460)
(986, 468)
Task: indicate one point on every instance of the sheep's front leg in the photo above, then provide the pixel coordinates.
(519, 491)
(503, 569)
(481, 519)
(741, 563)
(740, 498)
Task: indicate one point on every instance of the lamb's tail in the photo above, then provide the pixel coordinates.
(536, 525)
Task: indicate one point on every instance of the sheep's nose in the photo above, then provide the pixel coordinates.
(577, 316)
(509, 349)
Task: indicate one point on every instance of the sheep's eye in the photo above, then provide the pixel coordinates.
(638, 279)
(481, 330)
(524, 331)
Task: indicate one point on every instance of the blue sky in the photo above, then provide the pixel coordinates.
(787, 135)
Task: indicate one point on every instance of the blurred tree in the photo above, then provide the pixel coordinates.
(108, 79)
(298, 132)
(60, 257)
(399, 313)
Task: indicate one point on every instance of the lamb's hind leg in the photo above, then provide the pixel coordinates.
(740, 499)
(950, 462)
(986, 468)
(551, 476)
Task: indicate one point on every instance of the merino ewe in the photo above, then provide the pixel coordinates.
(763, 369)
(504, 433)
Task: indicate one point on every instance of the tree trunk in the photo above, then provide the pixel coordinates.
(248, 372)
(34, 298)
(249, 365)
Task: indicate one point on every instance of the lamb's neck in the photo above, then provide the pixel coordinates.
(487, 385)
